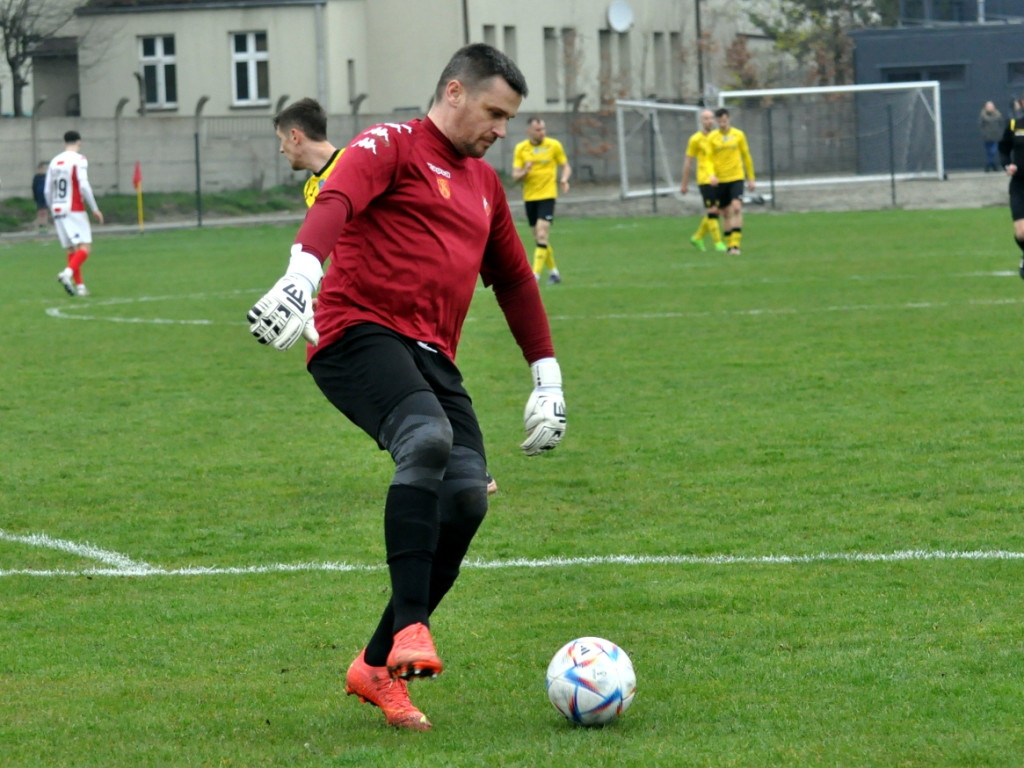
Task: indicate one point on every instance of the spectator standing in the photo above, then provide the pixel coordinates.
(991, 124)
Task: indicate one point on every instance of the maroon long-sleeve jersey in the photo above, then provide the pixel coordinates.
(409, 225)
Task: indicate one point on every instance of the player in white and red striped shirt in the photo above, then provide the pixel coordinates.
(67, 191)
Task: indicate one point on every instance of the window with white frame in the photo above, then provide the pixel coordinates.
(159, 71)
(250, 69)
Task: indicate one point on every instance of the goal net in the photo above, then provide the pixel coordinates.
(797, 136)
(652, 145)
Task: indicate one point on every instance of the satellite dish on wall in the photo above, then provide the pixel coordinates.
(620, 16)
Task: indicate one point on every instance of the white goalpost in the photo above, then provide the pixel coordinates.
(797, 136)
(652, 145)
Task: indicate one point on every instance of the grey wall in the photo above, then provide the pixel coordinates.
(242, 152)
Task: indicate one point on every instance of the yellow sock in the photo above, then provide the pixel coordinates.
(712, 227)
(550, 260)
(539, 256)
(702, 229)
(737, 235)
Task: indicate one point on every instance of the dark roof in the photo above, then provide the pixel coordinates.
(135, 6)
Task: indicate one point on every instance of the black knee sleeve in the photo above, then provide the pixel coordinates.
(464, 490)
(418, 436)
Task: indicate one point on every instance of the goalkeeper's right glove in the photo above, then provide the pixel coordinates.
(286, 311)
(544, 416)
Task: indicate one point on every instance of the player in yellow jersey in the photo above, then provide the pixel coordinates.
(695, 149)
(536, 163)
(302, 129)
(727, 156)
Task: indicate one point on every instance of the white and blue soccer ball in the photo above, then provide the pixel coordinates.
(591, 681)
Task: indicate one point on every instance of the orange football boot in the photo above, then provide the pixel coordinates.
(373, 685)
(412, 653)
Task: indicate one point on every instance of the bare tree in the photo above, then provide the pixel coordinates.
(815, 33)
(23, 25)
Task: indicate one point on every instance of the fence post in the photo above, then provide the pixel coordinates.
(35, 132)
(771, 157)
(199, 175)
(654, 172)
(892, 157)
(117, 142)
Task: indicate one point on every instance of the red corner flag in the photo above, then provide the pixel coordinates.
(137, 181)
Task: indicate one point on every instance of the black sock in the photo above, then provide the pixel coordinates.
(411, 524)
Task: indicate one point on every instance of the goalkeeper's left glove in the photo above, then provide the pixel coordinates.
(544, 417)
(286, 311)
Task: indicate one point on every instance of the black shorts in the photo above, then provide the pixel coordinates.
(709, 194)
(1017, 197)
(540, 209)
(729, 191)
(371, 369)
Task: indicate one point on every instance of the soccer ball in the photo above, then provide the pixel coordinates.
(591, 681)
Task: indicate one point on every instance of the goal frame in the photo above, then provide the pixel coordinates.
(918, 85)
(664, 177)
(651, 108)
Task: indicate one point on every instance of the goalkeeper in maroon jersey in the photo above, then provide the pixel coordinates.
(411, 218)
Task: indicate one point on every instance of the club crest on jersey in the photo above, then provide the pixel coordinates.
(444, 187)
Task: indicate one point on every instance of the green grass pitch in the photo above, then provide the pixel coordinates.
(792, 481)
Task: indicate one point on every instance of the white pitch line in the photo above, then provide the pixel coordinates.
(788, 310)
(121, 565)
(118, 561)
(69, 312)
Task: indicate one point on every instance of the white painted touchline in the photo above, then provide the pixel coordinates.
(116, 564)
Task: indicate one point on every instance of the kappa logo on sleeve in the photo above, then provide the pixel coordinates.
(381, 132)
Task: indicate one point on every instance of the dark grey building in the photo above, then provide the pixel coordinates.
(974, 63)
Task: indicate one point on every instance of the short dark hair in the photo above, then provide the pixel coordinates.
(475, 63)
(70, 137)
(534, 119)
(721, 111)
(307, 115)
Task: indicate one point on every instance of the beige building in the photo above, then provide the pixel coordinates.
(248, 57)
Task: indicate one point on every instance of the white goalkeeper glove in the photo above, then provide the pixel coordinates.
(544, 417)
(286, 311)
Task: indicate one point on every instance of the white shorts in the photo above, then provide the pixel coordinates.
(73, 228)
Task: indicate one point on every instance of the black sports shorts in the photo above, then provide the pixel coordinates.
(729, 191)
(1017, 196)
(540, 209)
(371, 369)
(709, 194)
